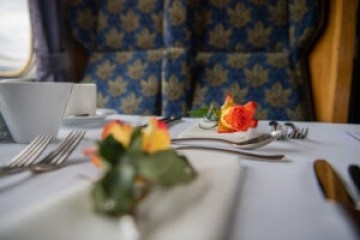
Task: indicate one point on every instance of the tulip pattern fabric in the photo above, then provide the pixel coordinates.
(252, 50)
(169, 56)
(137, 69)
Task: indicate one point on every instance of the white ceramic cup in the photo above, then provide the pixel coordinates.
(82, 100)
(33, 108)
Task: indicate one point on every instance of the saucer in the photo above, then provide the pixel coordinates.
(88, 121)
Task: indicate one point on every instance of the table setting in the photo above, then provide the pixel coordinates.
(133, 177)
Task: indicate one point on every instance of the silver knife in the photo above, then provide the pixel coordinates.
(335, 190)
(354, 171)
(166, 120)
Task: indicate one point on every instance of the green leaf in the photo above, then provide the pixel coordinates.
(213, 113)
(166, 168)
(113, 194)
(199, 113)
(136, 140)
(111, 150)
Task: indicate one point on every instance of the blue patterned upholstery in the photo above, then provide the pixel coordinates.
(252, 48)
(168, 56)
(137, 67)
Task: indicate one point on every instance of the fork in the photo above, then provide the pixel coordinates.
(297, 133)
(53, 160)
(29, 154)
(58, 156)
(289, 130)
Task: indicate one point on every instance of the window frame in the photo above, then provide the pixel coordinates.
(30, 60)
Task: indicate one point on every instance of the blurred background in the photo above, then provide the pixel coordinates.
(334, 62)
(15, 34)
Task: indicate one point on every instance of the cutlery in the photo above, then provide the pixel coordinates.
(289, 130)
(354, 171)
(57, 157)
(263, 157)
(166, 120)
(169, 120)
(354, 136)
(335, 190)
(51, 161)
(30, 153)
(248, 144)
(296, 132)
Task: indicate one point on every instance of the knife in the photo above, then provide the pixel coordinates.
(354, 171)
(335, 190)
(166, 120)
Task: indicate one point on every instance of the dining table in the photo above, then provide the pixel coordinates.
(256, 199)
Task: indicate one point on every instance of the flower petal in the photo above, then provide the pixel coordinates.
(91, 152)
(229, 102)
(225, 122)
(120, 131)
(155, 136)
(236, 117)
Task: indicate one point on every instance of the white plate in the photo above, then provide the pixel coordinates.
(88, 121)
(200, 210)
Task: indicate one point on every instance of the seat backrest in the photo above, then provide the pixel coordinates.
(168, 56)
(256, 50)
(137, 64)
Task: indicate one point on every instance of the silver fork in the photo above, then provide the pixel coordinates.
(53, 160)
(297, 133)
(29, 154)
(57, 157)
(289, 130)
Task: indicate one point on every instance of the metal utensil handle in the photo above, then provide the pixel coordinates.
(275, 157)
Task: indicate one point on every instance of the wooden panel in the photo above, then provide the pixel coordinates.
(78, 57)
(331, 63)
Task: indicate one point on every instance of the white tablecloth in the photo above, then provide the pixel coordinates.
(275, 200)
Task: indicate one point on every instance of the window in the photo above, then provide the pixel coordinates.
(15, 38)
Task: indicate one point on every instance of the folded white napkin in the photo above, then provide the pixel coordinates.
(196, 131)
(200, 210)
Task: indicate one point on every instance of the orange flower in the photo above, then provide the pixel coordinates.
(155, 136)
(92, 153)
(120, 131)
(235, 118)
(229, 102)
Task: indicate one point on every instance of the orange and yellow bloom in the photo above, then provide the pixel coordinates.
(155, 137)
(235, 118)
(121, 132)
(129, 158)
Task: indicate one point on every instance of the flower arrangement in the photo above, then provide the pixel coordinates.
(134, 160)
(231, 117)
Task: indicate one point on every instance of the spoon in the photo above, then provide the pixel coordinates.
(252, 154)
(249, 144)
